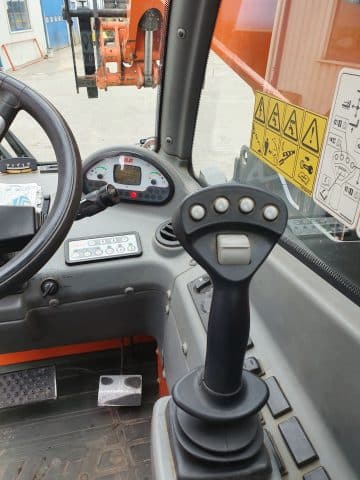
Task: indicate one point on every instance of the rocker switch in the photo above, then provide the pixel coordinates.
(233, 249)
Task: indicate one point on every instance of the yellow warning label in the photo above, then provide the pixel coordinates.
(288, 138)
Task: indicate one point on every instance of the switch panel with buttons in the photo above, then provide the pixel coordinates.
(107, 247)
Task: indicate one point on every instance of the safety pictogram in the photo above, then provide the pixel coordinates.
(293, 122)
(287, 157)
(260, 111)
(274, 119)
(313, 132)
(272, 145)
(306, 168)
(311, 137)
(257, 139)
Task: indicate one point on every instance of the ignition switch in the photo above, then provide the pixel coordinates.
(49, 287)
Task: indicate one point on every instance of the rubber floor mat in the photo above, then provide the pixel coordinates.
(71, 438)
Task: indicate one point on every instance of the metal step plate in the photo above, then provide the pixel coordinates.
(120, 390)
(27, 386)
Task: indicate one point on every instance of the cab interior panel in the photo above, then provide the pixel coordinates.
(179, 240)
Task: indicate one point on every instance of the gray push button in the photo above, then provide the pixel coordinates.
(233, 249)
(277, 403)
(317, 474)
(297, 442)
(251, 364)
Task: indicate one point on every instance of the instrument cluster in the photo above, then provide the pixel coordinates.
(136, 173)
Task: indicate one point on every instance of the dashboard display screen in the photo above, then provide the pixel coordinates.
(127, 174)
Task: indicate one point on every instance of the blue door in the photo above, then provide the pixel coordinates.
(55, 27)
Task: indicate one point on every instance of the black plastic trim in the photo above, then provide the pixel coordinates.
(185, 60)
(325, 271)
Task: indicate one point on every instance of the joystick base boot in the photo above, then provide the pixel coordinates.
(191, 467)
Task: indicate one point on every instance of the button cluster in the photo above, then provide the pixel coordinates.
(246, 205)
(150, 195)
(92, 249)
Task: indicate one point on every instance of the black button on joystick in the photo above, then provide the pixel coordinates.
(215, 432)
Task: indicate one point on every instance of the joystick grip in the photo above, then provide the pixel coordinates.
(229, 230)
(228, 333)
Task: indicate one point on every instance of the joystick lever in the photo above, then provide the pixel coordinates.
(215, 433)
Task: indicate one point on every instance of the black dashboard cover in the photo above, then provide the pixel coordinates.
(17, 227)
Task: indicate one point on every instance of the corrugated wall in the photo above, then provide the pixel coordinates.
(302, 72)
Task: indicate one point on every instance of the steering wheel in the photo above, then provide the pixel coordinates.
(16, 96)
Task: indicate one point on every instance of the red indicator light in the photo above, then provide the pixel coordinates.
(133, 195)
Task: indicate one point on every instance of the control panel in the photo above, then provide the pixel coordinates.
(107, 247)
(137, 178)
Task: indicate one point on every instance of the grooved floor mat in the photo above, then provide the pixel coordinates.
(71, 438)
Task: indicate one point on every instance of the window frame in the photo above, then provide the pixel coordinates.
(325, 55)
(27, 13)
(302, 252)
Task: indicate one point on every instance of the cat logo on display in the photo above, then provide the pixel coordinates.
(260, 111)
(274, 120)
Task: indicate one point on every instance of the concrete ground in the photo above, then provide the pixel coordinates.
(121, 116)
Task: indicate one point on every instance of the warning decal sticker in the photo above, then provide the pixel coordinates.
(289, 141)
(337, 187)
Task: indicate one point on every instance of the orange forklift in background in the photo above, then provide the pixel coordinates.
(120, 45)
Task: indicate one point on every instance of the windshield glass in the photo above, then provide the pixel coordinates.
(117, 50)
(282, 96)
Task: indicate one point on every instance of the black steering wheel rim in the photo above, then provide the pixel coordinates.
(52, 233)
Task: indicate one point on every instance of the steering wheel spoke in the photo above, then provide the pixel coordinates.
(9, 107)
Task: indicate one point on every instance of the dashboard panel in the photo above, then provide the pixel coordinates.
(135, 173)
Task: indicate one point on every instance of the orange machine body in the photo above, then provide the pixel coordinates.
(122, 58)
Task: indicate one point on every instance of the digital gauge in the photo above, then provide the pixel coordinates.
(127, 174)
(136, 173)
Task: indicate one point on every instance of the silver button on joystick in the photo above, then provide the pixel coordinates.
(271, 213)
(246, 205)
(221, 205)
(197, 212)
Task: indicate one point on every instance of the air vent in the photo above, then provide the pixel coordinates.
(166, 236)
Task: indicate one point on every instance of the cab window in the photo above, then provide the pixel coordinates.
(276, 59)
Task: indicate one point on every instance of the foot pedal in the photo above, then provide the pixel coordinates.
(27, 386)
(120, 391)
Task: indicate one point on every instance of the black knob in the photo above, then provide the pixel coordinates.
(49, 287)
